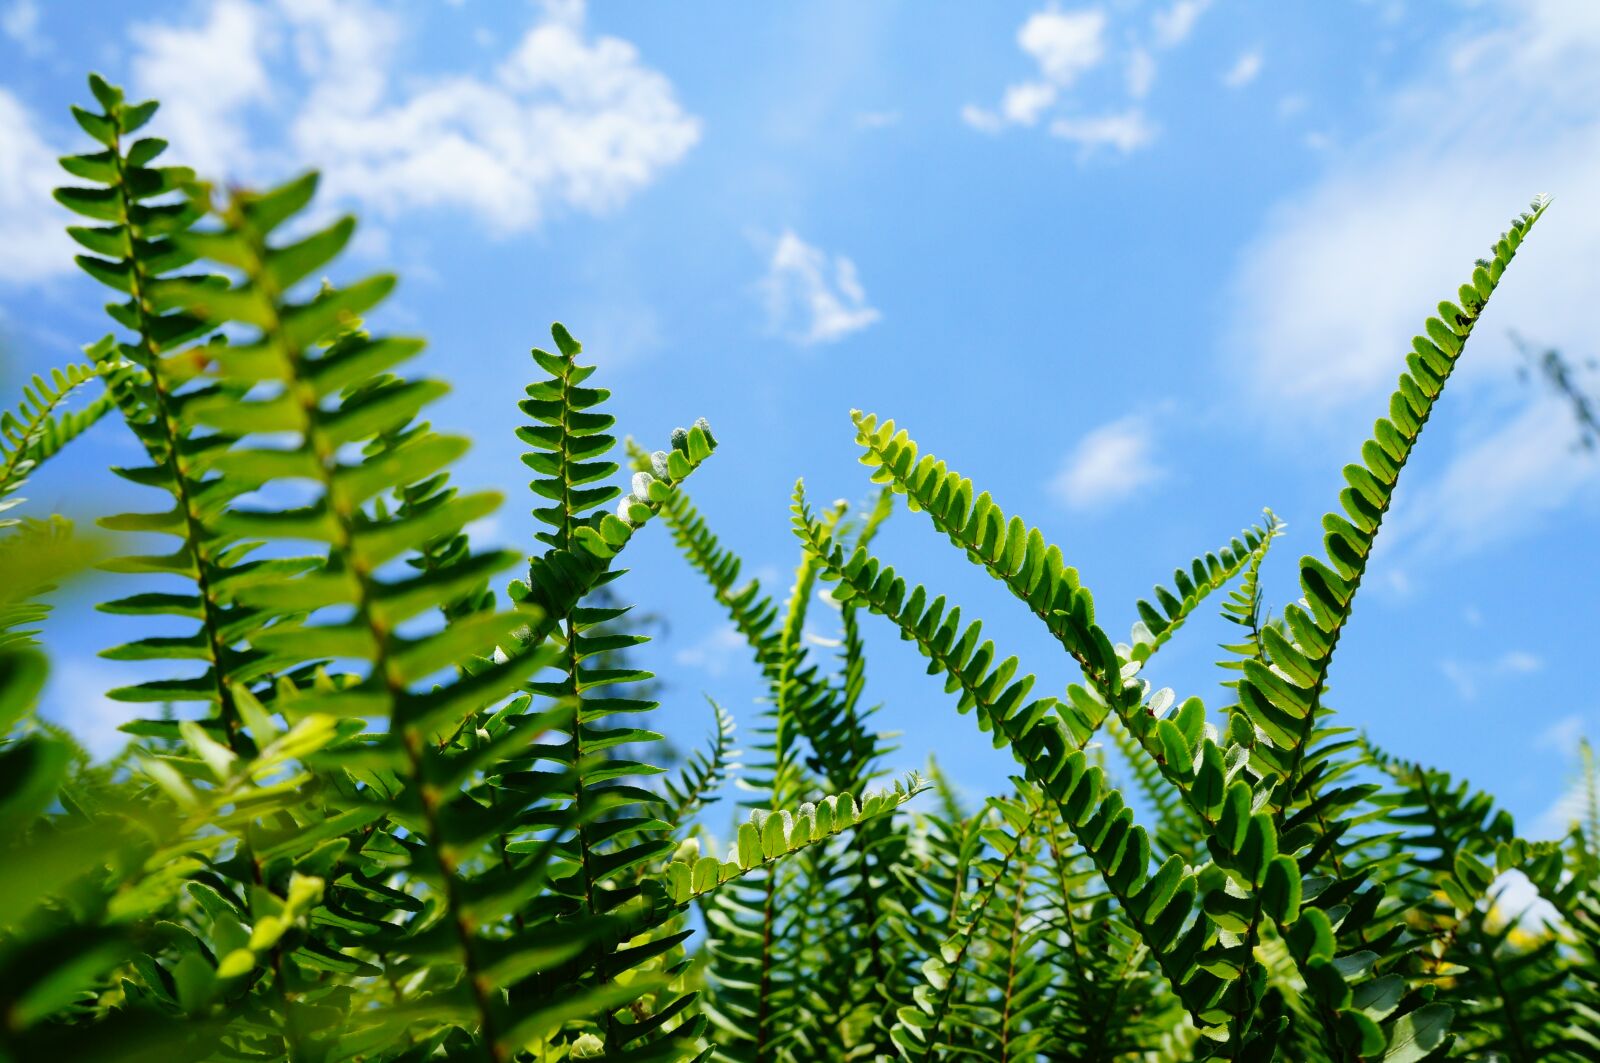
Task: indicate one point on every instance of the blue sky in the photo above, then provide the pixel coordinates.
(1139, 269)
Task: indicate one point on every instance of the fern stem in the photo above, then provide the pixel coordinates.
(194, 531)
(21, 460)
(344, 547)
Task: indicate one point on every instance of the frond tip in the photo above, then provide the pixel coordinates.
(767, 837)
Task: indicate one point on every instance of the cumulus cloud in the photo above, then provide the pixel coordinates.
(1108, 465)
(1064, 46)
(204, 75)
(565, 121)
(30, 224)
(811, 298)
(1243, 71)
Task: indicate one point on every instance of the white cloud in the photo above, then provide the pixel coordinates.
(30, 223)
(1125, 132)
(1173, 24)
(811, 299)
(1244, 70)
(1514, 896)
(1500, 485)
(1343, 273)
(1468, 677)
(1141, 73)
(76, 699)
(1562, 736)
(565, 121)
(1064, 44)
(1326, 298)
(1108, 464)
(714, 653)
(203, 77)
(1022, 104)
(20, 22)
(1572, 806)
(877, 119)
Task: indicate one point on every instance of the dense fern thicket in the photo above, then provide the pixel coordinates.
(392, 796)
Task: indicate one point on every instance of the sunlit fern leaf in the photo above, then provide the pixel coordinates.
(1159, 622)
(143, 209)
(767, 837)
(616, 825)
(1047, 741)
(40, 428)
(1504, 978)
(1282, 700)
(952, 1014)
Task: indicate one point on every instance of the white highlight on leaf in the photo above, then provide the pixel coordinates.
(810, 298)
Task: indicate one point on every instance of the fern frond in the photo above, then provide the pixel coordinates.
(1189, 588)
(703, 774)
(768, 837)
(951, 1017)
(37, 431)
(1283, 699)
(1506, 984)
(1047, 740)
(1177, 828)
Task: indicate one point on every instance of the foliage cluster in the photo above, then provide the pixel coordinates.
(391, 805)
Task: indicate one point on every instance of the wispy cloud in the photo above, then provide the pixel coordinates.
(1174, 23)
(811, 298)
(1108, 465)
(713, 653)
(1343, 272)
(1125, 132)
(565, 121)
(877, 119)
(1244, 70)
(1469, 677)
(19, 20)
(1326, 298)
(76, 699)
(1504, 483)
(30, 224)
